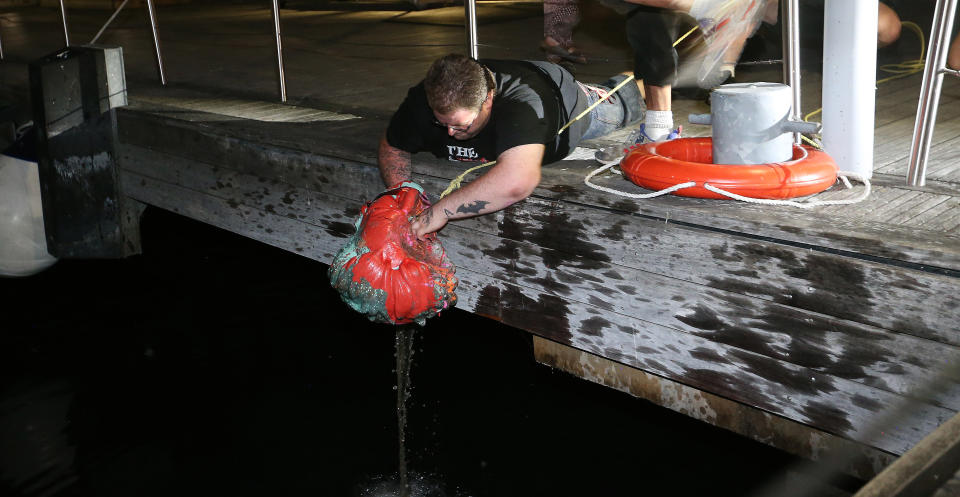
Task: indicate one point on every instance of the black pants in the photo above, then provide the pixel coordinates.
(651, 32)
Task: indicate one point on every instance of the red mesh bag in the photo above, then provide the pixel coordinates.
(384, 272)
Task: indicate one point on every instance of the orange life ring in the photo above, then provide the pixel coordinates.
(660, 165)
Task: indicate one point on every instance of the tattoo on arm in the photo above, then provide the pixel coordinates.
(473, 207)
(426, 216)
(394, 163)
(447, 212)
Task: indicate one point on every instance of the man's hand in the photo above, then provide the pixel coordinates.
(427, 222)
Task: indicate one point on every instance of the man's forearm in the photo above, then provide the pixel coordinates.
(394, 163)
(511, 180)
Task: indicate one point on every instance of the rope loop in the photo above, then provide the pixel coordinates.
(843, 176)
(627, 194)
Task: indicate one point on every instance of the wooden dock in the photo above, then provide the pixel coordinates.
(830, 329)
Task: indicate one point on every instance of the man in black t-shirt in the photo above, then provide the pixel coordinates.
(502, 110)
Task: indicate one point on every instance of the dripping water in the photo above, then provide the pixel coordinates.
(404, 353)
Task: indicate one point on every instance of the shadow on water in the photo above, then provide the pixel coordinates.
(215, 365)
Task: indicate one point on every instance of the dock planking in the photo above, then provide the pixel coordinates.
(827, 321)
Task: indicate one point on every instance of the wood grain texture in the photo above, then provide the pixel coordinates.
(825, 318)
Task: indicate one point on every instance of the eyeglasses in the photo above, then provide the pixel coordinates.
(462, 129)
(459, 129)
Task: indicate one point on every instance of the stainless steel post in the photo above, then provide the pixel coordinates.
(470, 7)
(104, 28)
(276, 31)
(790, 22)
(156, 41)
(930, 91)
(66, 32)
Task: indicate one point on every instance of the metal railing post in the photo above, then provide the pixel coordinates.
(470, 14)
(790, 22)
(104, 28)
(933, 71)
(156, 41)
(66, 32)
(276, 31)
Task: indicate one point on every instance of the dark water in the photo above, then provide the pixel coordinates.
(214, 365)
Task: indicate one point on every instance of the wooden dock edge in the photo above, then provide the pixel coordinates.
(862, 461)
(925, 469)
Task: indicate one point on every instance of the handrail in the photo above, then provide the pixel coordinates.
(66, 32)
(276, 32)
(933, 71)
(790, 15)
(470, 16)
(104, 28)
(152, 11)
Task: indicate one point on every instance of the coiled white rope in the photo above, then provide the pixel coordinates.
(610, 164)
(804, 204)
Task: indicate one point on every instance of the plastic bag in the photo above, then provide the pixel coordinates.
(384, 272)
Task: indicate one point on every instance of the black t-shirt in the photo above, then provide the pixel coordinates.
(533, 101)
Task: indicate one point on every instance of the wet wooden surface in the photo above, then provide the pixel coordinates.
(832, 317)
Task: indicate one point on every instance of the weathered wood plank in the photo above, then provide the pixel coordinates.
(917, 210)
(560, 182)
(898, 134)
(884, 296)
(838, 348)
(833, 404)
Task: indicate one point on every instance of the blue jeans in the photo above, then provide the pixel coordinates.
(621, 109)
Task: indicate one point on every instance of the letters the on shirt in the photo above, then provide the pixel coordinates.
(462, 153)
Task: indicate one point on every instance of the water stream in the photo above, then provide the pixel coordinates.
(404, 353)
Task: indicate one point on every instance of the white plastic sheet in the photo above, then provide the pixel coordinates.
(23, 245)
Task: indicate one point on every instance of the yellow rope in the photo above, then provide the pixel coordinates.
(456, 181)
(906, 67)
(688, 33)
(598, 102)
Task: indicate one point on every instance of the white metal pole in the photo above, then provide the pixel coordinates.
(790, 22)
(470, 14)
(849, 82)
(276, 32)
(104, 28)
(152, 14)
(66, 32)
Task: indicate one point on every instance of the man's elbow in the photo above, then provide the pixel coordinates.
(524, 186)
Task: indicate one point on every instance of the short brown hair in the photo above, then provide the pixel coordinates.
(455, 82)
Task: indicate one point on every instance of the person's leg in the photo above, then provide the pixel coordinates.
(888, 26)
(651, 33)
(560, 17)
(953, 54)
(611, 114)
(658, 119)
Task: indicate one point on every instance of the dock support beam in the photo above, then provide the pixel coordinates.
(75, 94)
(789, 436)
